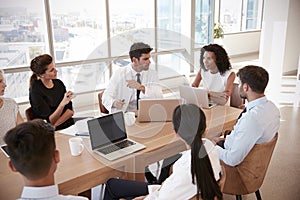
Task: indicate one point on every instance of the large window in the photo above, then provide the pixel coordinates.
(203, 21)
(90, 39)
(79, 27)
(169, 24)
(237, 15)
(130, 21)
(22, 32)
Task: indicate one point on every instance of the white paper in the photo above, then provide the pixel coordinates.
(79, 127)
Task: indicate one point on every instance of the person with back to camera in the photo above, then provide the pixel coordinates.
(124, 90)
(216, 74)
(48, 96)
(257, 124)
(195, 173)
(9, 111)
(36, 163)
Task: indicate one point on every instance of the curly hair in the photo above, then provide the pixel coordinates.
(222, 59)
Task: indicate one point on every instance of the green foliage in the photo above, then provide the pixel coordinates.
(218, 30)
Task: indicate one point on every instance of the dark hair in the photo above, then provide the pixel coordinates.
(257, 77)
(189, 122)
(38, 66)
(139, 48)
(222, 59)
(31, 147)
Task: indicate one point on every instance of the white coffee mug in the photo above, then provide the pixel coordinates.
(76, 146)
(129, 118)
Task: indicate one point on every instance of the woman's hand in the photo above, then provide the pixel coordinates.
(139, 198)
(68, 96)
(218, 97)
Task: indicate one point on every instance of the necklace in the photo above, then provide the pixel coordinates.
(48, 84)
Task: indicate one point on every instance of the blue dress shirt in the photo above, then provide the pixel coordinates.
(257, 125)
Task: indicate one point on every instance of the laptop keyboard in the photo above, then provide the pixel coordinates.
(115, 147)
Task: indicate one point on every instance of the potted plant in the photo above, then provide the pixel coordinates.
(218, 33)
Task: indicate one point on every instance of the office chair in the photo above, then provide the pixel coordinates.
(248, 176)
(29, 114)
(101, 106)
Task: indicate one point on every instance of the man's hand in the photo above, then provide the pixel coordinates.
(135, 85)
(217, 139)
(225, 133)
(118, 104)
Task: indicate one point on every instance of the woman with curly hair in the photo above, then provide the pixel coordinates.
(215, 71)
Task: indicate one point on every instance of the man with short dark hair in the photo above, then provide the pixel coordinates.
(32, 150)
(132, 82)
(258, 124)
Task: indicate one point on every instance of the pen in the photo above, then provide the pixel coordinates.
(82, 134)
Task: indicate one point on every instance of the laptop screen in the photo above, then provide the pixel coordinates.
(106, 130)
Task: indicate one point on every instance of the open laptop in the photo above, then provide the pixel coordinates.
(109, 139)
(157, 110)
(197, 96)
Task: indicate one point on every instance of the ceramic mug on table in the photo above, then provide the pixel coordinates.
(129, 118)
(76, 146)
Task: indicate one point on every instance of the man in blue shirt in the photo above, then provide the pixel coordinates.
(258, 124)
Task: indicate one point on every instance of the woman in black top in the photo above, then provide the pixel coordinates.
(47, 94)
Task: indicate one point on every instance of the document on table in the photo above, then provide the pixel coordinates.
(80, 127)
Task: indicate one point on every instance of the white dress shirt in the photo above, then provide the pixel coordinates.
(46, 193)
(179, 184)
(117, 88)
(257, 125)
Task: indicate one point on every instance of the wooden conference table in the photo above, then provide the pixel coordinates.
(78, 174)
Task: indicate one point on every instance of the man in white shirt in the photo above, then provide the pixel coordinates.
(132, 82)
(258, 124)
(32, 150)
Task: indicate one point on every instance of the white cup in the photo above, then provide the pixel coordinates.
(129, 118)
(76, 146)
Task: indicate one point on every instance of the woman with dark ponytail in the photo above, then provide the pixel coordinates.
(48, 96)
(195, 173)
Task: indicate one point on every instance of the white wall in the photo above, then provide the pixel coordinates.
(292, 49)
(279, 46)
(242, 43)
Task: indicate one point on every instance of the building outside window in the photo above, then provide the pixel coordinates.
(236, 15)
(76, 34)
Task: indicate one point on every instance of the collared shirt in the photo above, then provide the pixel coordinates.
(179, 184)
(257, 125)
(117, 88)
(46, 193)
